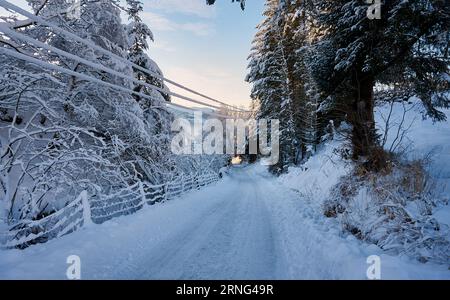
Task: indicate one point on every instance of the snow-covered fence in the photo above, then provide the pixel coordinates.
(56, 224)
(132, 199)
(84, 211)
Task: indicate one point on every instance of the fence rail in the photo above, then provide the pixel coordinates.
(85, 211)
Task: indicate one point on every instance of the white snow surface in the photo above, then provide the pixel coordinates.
(425, 138)
(247, 226)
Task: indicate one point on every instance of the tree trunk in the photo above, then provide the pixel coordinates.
(364, 138)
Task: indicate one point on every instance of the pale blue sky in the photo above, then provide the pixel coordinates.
(204, 47)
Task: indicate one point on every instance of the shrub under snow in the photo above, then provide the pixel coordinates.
(393, 210)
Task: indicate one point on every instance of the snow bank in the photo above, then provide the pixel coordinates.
(424, 138)
(318, 175)
(314, 182)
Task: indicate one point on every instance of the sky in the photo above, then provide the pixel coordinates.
(202, 47)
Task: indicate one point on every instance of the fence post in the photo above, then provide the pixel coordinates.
(142, 192)
(87, 218)
(191, 182)
(166, 190)
(197, 181)
(182, 183)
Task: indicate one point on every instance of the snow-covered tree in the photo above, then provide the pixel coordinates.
(272, 76)
(62, 134)
(406, 49)
(284, 41)
(138, 34)
(155, 111)
(343, 53)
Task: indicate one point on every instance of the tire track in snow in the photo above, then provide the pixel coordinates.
(232, 242)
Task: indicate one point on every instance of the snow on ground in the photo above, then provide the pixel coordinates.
(424, 138)
(325, 249)
(247, 226)
(313, 181)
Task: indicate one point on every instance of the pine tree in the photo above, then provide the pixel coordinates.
(406, 48)
(271, 76)
(138, 35)
(285, 37)
(155, 110)
(343, 53)
(295, 39)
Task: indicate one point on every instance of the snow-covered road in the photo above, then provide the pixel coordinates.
(231, 238)
(246, 226)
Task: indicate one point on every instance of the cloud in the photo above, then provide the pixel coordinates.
(198, 28)
(159, 22)
(163, 46)
(188, 7)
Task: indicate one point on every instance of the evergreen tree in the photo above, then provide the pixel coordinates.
(340, 54)
(305, 100)
(271, 76)
(405, 49)
(138, 35)
(155, 111)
